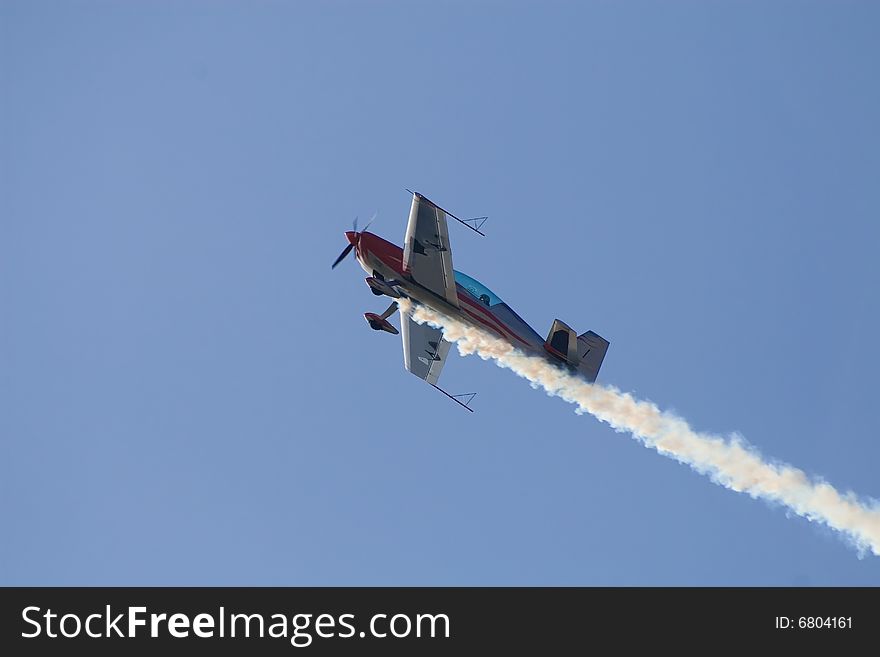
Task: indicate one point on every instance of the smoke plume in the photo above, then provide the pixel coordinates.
(729, 462)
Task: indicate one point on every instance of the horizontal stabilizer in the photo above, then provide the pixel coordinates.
(591, 349)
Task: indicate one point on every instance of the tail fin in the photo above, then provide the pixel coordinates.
(584, 352)
(591, 349)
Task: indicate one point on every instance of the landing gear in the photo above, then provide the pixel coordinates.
(379, 277)
(380, 322)
(380, 286)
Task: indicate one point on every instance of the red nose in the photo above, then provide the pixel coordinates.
(352, 236)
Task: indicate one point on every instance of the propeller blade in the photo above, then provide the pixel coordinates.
(354, 224)
(342, 255)
(372, 219)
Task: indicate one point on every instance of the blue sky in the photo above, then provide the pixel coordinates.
(188, 394)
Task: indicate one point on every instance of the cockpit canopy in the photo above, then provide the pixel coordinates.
(476, 288)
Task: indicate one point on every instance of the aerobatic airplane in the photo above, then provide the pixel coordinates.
(422, 272)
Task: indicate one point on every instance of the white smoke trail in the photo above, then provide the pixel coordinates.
(729, 462)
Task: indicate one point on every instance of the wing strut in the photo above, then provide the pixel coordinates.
(474, 224)
(469, 395)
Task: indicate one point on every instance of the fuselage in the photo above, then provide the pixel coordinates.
(478, 305)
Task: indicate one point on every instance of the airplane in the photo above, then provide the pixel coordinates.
(422, 272)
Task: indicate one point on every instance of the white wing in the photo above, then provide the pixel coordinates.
(424, 349)
(427, 256)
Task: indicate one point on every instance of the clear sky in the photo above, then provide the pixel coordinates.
(189, 395)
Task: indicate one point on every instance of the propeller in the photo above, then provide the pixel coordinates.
(353, 238)
(342, 255)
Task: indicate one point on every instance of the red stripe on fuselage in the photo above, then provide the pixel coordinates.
(498, 322)
(486, 325)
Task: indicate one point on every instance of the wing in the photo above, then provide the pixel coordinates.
(424, 349)
(427, 257)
